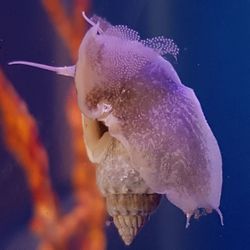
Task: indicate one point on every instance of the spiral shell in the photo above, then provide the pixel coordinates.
(129, 200)
(130, 212)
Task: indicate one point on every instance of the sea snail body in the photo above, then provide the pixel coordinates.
(154, 125)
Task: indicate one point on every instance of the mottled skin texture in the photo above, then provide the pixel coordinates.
(157, 119)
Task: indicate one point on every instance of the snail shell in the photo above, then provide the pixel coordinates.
(130, 212)
(129, 200)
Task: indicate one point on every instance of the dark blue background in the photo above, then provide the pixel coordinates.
(214, 41)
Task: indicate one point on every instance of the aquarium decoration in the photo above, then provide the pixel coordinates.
(143, 129)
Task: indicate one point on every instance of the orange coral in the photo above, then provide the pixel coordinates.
(20, 133)
(70, 28)
(21, 137)
(84, 223)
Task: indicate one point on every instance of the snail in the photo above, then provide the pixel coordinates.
(144, 130)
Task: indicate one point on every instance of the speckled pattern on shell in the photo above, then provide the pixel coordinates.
(116, 174)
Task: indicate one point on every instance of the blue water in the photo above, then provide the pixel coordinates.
(214, 41)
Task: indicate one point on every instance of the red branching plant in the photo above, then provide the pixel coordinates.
(85, 221)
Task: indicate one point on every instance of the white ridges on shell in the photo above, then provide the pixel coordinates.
(129, 200)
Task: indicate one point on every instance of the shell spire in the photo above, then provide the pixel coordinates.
(131, 212)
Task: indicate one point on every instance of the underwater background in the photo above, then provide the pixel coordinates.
(214, 60)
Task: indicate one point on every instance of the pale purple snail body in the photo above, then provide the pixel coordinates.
(125, 83)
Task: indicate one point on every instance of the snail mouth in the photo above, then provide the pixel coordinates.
(96, 137)
(102, 128)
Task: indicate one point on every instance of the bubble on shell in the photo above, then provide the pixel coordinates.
(123, 32)
(162, 45)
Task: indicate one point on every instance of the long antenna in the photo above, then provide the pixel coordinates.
(91, 22)
(65, 71)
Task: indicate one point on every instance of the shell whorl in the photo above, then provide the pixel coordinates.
(130, 212)
(129, 200)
